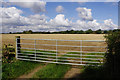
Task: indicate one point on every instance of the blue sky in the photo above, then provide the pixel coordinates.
(100, 10)
(104, 14)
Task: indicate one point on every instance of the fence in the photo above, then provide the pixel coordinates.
(74, 52)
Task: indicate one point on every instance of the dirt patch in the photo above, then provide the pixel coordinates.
(72, 72)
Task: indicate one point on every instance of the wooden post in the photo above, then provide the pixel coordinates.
(5, 46)
(17, 44)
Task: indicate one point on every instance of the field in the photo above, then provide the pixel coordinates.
(55, 68)
(10, 38)
(63, 47)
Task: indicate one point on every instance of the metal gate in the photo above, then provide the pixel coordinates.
(74, 52)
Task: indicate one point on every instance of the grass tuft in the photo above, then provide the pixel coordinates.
(52, 71)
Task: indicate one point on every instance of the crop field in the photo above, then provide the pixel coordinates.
(10, 38)
(62, 48)
(67, 51)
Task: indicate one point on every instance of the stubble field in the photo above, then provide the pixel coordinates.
(10, 39)
(63, 48)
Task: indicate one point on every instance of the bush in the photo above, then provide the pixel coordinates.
(112, 64)
(8, 54)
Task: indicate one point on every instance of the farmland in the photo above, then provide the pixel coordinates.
(10, 38)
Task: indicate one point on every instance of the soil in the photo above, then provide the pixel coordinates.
(72, 73)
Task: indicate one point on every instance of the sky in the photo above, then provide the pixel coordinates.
(58, 16)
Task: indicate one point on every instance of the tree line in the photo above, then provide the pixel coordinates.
(89, 31)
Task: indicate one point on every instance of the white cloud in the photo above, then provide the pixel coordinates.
(35, 5)
(94, 25)
(10, 15)
(60, 20)
(13, 15)
(24, 0)
(84, 13)
(13, 21)
(67, 0)
(111, 0)
(81, 0)
(108, 24)
(83, 25)
(59, 9)
(37, 19)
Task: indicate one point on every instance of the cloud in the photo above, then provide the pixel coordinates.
(111, 0)
(60, 20)
(85, 25)
(59, 23)
(35, 5)
(94, 25)
(14, 21)
(84, 13)
(10, 16)
(37, 19)
(59, 9)
(70, 0)
(108, 24)
(81, 0)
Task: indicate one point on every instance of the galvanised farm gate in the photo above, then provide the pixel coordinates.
(74, 52)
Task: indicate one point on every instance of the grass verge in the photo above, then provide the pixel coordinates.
(15, 69)
(52, 71)
(87, 58)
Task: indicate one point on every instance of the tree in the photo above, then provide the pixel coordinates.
(89, 31)
(81, 32)
(98, 31)
(30, 32)
(27, 32)
(10, 32)
(105, 31)
(112, 64)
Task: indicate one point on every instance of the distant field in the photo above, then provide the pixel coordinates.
(63, 48)
(10, 38)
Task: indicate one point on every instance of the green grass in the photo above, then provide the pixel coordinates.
(98, 56)
(15, 69)
(52, 71)
(61, 58)
(78, 55)
(46, 53)
(39, 54)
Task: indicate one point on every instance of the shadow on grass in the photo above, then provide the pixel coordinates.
(94, 73)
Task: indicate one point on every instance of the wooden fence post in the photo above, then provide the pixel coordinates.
(17, 45)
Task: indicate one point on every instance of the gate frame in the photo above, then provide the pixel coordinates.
(81, 51)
